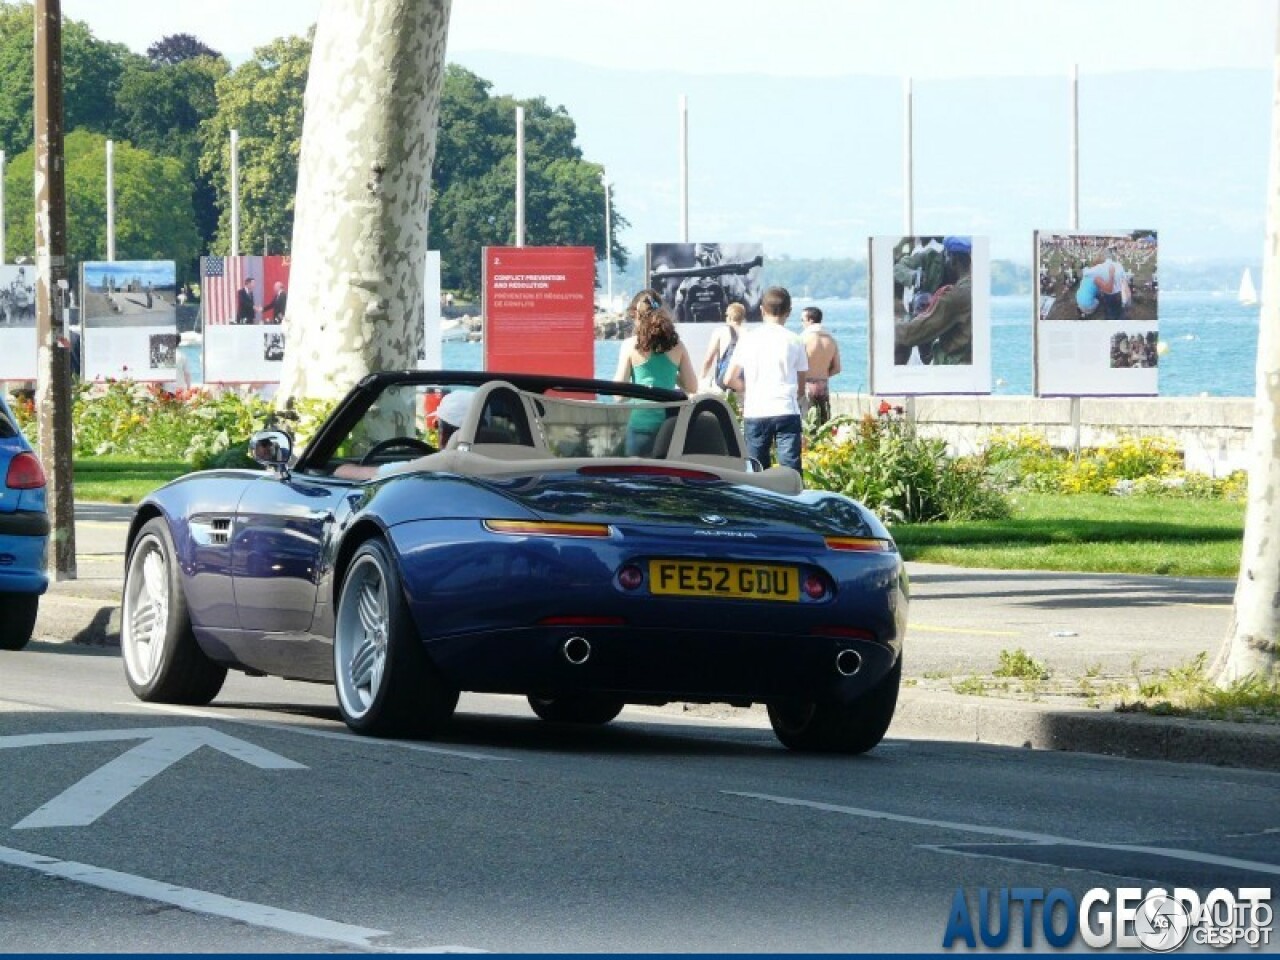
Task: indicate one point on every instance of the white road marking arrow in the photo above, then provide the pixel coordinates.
(84, 802)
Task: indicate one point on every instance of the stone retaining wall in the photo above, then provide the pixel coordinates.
(1212, 431)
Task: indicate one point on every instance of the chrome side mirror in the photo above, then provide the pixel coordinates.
(271, 448)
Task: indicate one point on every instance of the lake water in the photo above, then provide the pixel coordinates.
(1212, 345)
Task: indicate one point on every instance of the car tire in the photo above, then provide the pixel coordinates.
(386, 684)
(18, 620)
(839, 727)
(584, 709)
(162, 660)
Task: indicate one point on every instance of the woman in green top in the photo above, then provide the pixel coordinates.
(654, 357)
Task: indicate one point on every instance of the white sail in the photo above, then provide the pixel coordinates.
(1248, 294)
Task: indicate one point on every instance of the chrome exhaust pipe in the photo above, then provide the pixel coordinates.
(576, 650)
(848, 662)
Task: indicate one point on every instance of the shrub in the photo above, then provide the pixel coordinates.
(884, 463)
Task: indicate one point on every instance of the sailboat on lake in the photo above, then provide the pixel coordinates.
(1248, 293)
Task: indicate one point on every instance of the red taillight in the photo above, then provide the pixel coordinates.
(25, 473)
(860, 544)
(640, 470)
(581, 622)
(815, 587)
(847, 633)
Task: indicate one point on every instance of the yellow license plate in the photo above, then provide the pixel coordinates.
(702, 578)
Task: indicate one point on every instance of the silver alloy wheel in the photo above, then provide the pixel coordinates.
(145, 618)
(360, 636)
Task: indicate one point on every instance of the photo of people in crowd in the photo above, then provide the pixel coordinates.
(17, 296)
(1100, 276)
(129, 293)
(1135, 350)
(933, 300)
(163, 353)
(698, 281)
(244, 290)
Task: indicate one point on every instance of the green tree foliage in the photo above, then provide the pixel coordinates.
(160, 108)
(154, 217)
(92, 69)
(177, 47)
(474, 177)
(262, 99)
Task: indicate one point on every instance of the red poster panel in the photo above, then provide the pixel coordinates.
(539, 312)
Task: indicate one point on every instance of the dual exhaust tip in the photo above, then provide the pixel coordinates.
(577, 651)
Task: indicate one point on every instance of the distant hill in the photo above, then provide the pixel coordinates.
(812, 167)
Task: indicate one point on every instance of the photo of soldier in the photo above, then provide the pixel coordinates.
(933, 312)
(17, 296)
(917, 275)
(698, 281)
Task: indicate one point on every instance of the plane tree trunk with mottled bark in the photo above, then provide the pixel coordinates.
(364, 179)
(1250, 647)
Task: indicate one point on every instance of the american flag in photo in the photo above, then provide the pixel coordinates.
(219, 281)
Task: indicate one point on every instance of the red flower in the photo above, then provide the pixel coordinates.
(884, 408)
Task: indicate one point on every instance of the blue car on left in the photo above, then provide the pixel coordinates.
(24, 534)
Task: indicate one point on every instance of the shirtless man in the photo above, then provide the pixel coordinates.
(824, 363)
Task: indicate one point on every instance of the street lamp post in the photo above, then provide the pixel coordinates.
(608, 243)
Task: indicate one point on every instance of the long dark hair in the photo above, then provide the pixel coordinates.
(655, 331)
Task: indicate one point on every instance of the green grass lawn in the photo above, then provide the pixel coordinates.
(1090, 533)
(117, 480)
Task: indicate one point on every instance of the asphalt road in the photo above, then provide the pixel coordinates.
(259, 824)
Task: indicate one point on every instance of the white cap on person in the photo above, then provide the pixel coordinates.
(453, 408)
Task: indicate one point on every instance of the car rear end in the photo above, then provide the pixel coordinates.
(662, 585)
(24, 533)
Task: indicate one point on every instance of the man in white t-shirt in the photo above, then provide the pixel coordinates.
(769, 373)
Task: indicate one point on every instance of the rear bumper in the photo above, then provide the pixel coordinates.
(24, 542)
(642, 665)
(23, 523)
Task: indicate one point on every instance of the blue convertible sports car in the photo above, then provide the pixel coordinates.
(501, 540)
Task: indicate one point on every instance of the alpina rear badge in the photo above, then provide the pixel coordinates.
(713, 520)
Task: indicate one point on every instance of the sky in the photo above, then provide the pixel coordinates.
(795, 108)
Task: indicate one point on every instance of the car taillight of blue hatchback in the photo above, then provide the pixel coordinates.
(24, 534)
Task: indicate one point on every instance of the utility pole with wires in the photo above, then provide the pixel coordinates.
(53, 363)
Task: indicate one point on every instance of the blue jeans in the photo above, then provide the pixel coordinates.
(762, 432)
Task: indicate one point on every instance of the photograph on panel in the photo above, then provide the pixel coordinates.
(1099, 276)
(130, 293)
(698, 281)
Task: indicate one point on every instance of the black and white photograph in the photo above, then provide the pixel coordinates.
(698, 281)
(273, 346)
(163, 350)
(17, 296)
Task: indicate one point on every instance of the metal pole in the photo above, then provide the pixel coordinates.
(1073, 212)
(2, 206)
(111, 200)
(1073, 217)
(608, 244)
(53, 365)
(235, 193)
(519, 176)
(684, 168)
(908, 170)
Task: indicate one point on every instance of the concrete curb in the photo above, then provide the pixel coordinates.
(88, 614)
(969, 719)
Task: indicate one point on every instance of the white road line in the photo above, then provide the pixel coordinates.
(323, 734)
(196, 901)
(1046, 839)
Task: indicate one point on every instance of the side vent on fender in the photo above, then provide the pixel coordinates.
(211, 531)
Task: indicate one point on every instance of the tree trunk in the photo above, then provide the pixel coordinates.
(1250, 647)
(364, 179)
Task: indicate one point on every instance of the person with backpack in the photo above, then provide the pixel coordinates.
(719, 357)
